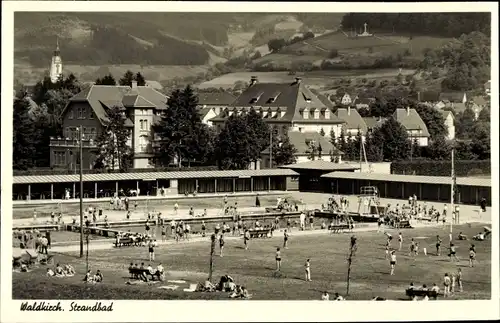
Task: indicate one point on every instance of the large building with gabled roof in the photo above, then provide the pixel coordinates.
(142, 107)
(286, 106)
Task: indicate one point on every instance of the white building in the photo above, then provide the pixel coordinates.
(56, 65)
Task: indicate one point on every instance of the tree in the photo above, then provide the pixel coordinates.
(356, 146)
(394, 140)
(464, 123)
(322, 132)
(275, 45)
(484, 115)
(106, 80)
(181, 130)
(480, 140)
(438, 149)
(24, 136)
(312, 151)
(141, 81)
(112, 149)
(259, 131)
(127, 78)
(235, 145)
(434, 121)
(284, 152)
(373, 147)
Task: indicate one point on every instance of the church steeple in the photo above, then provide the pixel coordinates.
(56, 64)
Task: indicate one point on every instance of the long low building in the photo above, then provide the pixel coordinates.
(469, 190)
(154, 183)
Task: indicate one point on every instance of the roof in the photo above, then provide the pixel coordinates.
(410, 119)
(429, 96)
(103, 97)
(293, 98)
(35, 179)
(465, 181)
(301, 141)
(321, 165)
(325, 100)
(216, 98)
(352, 119)
(479, 100)
(203, 112)
(487, 85)
(447, 113)
(154, 84)
(372, 122)
(458, 107)
(452, 96)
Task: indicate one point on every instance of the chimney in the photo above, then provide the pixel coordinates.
(349, 110)
(134, 84)
(253, 80)
(298, 80)
(407, 111)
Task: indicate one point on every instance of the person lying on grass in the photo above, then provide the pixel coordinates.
(59, 271)
(50, 273)
(98, 277)
(69, 270)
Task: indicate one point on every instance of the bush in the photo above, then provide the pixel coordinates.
(333, 53)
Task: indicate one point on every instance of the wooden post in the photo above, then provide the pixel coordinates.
(251, 184)
(95, 190)
(74, 190)
(51, 191)
(212, 250)
(215, 185)
(137, 187)
(439, 193)
(116, 186)
(196, 185)
(29, 192)
(234, 185)
(269, 184)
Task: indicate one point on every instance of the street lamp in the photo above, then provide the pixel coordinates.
(87, 234)
(80, 143)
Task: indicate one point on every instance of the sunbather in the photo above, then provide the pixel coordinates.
(50, 272)
(69, 270)
(88, 277)
(98, 277)
(59, 271)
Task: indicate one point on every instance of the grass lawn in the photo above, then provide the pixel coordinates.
(254, 269)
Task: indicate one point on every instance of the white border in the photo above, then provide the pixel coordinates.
(180, 311)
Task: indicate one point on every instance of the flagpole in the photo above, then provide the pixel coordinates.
(452, 191)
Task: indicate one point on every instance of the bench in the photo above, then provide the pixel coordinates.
(259, 233)
(137, 273)
(405, 224)
(272, 210)
(421, 293)
(129, 241)
(338, 228)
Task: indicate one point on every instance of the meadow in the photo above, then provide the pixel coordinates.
(255, 269)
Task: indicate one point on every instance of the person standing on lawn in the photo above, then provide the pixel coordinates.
(285, 239)
(278, 259)
(393, 262)
(308, 270)
(221, 244)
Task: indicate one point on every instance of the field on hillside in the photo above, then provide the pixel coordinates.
(254, 268)
(313, 79)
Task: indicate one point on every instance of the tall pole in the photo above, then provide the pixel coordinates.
(80, 130)
(452, 191)
(271, 147)
(360, 149)
(212, 250)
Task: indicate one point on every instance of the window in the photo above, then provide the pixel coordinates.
(91, 115)
(84, 112)
(71, 113)
(59, 158)
(67, 132)
(146, 125)
(142, 124)
(143, 142)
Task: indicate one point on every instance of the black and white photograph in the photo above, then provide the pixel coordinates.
(202, 152)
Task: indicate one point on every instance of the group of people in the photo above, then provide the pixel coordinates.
(451, 283)
(61, 271)
(93, 278)
(141, 272)
(337, 204)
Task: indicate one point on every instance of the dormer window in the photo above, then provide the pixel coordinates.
(230, 113)
(273, 114)
(305, 114)
(273, 97)
(256, 98)
(316, 114)
(282, 113)
(264, 114)
(327, 114)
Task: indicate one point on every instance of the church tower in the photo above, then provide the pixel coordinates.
(56, 65)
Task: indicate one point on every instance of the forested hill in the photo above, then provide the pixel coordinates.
(436, 24)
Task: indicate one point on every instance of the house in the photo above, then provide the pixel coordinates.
(353, 122)
(154, 84)
(286, 106)
(373, 122)
(414, 125)
(431, 97)
(345, 98)
(363, 103)
(480, 101)
(453, 97)
(142, 106)
(449, 122)
(211, 104)
(487, 88)
(303, 142)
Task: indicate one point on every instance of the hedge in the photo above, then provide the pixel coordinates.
(442, 167)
